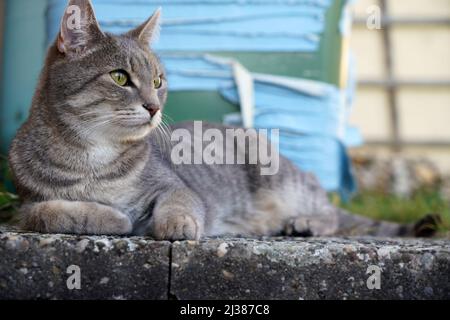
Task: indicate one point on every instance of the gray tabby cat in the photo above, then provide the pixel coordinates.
(88, 161)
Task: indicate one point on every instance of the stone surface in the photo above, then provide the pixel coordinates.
(310, 269)
(34, 266)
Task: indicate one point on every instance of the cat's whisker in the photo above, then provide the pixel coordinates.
(159, 139)
(163, 132)
(166, 133)
(166, 126)
(87, 131)
(88, 114)
(94, 120)
(157, 135)
(166, 116)
(168, 139)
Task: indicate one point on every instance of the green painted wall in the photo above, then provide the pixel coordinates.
(23, 54)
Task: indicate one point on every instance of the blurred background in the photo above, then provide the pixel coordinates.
(359, 89)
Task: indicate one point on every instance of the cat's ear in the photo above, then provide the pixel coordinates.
(79, 28)
(148, 32)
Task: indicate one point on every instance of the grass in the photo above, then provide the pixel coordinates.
(8, 201)
(388, 207)
(8, 205)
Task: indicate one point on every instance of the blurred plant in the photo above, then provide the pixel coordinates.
(395, 175)
(381, 206)
(8, 201)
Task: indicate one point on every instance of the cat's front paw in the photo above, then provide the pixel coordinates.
(60, 216)
(315, 226)
(112, 223)
(176, 226)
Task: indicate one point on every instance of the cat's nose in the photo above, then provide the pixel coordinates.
(152, 109)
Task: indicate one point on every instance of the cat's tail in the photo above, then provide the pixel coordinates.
(355, 225)
(319, 217)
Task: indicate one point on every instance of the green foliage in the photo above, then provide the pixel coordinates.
(8, 201)
(8, 205)
(381, 206)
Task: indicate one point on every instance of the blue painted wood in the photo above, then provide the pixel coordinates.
(23, 53)
(234, 25)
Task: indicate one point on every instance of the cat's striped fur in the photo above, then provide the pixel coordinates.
(90, 160)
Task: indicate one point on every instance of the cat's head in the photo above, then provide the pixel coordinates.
(101, 86)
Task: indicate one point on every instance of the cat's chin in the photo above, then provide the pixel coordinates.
(139, 134)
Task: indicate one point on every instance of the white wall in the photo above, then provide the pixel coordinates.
(420, 52)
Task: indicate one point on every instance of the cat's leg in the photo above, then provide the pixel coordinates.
(60, 216)
(323, 223)
(178, 215)
(314, 214)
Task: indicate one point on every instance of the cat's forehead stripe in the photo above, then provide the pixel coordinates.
(140, 63)
(134, 64)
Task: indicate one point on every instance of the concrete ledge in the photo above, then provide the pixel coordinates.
(35, 266)
(310, 269)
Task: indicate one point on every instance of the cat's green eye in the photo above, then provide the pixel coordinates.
(120, 77)
(157, 83)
